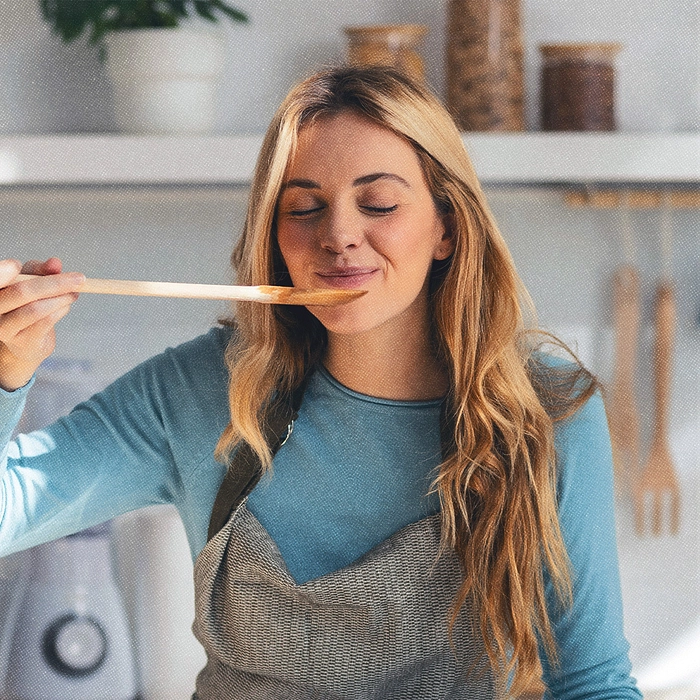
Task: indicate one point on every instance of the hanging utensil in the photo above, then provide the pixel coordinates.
(266, 294)
(658, 482)
(623, 413)
(623, 416)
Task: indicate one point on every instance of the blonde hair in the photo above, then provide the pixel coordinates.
(497, 484)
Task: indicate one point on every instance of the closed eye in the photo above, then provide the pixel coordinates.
(304, 212)
(381, 210)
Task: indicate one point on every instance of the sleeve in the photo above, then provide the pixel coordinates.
(11, 407)
(119, 451)
(593, 651)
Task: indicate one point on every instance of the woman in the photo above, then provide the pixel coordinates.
(439, 518)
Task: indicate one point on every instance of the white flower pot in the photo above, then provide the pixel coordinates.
(164, 80)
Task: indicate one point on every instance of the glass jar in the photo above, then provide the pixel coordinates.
(393, 45)
(485, 65)
(578, 86)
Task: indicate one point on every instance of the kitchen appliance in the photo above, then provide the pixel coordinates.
(71, 638)
(156, 577)
(14, 573)
(65, 633)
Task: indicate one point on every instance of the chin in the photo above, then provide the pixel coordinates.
(346, 320)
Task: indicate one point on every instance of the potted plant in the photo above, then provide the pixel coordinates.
(163, 74)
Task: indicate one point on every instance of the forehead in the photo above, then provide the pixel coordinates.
(351, 144)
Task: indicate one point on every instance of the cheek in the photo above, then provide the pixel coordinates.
(295, 254)
(414, 251)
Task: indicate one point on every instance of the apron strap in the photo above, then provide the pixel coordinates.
(244, 468)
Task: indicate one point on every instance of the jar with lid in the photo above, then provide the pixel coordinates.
(578, 86)
(485, 65)
(393, 45)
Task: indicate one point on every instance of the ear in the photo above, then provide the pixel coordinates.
(446, 245)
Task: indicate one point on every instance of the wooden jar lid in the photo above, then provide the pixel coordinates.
(391, 33)
(595, 51)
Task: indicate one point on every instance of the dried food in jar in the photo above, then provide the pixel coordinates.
(578, 87)
(393, 45)
(485, 65)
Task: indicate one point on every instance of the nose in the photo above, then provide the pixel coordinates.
(340, 232)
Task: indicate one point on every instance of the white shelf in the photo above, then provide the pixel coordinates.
(584, 157)
(514, 158)
(127, 160)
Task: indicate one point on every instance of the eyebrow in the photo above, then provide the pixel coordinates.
(364, 180)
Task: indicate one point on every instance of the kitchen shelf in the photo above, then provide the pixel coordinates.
(513, 158)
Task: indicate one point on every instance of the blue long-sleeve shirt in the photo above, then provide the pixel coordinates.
(355, 470)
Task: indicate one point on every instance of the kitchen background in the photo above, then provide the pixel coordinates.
(566, 256)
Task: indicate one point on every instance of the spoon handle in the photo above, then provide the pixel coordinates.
(266, 294)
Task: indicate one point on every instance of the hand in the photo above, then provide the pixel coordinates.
(29, 310)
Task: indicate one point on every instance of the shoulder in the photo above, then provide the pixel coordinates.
(558, 379)
(199, 357)
(584, 456)
(584, 452)
(185, 388)
(582, 440)
(588, 423)
(190, 376)
(202, 355)
(569, 383)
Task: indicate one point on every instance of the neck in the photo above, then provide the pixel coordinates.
(387, 362)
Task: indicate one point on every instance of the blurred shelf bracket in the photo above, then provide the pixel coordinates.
(612, 198)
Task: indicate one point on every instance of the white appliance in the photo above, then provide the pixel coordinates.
(71, 638)
(65, 632)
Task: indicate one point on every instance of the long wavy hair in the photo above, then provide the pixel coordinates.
(497, 484)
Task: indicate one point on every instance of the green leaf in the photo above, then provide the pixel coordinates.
(179, 7)
(71, 18)
(231, 12)
(203, 9)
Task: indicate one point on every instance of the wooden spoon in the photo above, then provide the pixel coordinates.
(658, 479)
(623, 416)
(263, 293)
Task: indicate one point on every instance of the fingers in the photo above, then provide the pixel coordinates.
(16, 295)
(28, 299)
(29, 310)
(28, 337)
(52, 266)
(9, 269)
(41, 334)
(16, 320)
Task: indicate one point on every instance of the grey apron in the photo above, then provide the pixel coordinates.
(376, 629)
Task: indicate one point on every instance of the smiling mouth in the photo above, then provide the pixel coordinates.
(348, 278)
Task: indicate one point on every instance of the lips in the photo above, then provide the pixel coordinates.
(346, 277)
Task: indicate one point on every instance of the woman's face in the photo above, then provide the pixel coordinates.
(355, 212)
